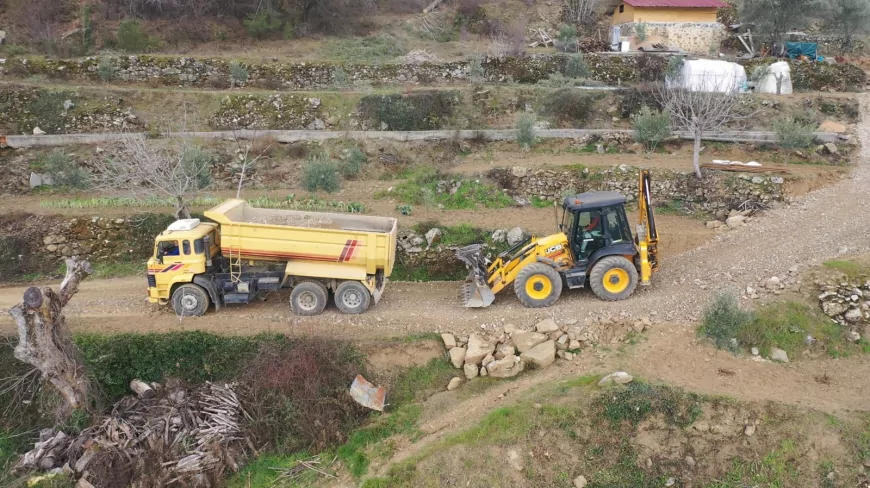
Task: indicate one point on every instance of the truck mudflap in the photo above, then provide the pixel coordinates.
(377, 285)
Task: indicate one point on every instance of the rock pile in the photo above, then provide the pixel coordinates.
(510, 350)
(848, 304)
(734, 219)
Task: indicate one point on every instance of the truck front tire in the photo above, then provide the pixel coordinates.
(308, 298)
(190, 301)
(352, 297)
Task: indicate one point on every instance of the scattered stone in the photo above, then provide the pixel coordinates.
(477, 349)
(671, 482)
(454, 383)
(527, 340)
(503, 351)
(619, 378)
(514, 460)
(778, 354)
(854, 315)
(542, 355)
(853, 336)
(749, 430)
(793, 269)
(750, 290)
(471, 371)
(573, 345)
(457, 356)
(38, 132)
(701, 426)
(833, 309)
(735, 221)
(449, 341)
(499, 235)
(433, 236)
(510, 329)
(483, 372)
(690, 461)
(638, 326)
(546, 326)
(831, 126)
(773, 282)
(831, 148)
(714, 224)
(515, 236)
(754, 351)
(580, 482)
(505, 368)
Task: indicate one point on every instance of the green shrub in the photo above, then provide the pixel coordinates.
(640, 31)
(426, 186)
(629, 100)
(339, 77)
(196, 164)
(261, 24)
(63, 170)
(106, 70)
(576, 67)
(526, 137)
(423, 110)
(114, 360)
(238, 73)
(674, 69)
(353, 162)
(372, 49)
(723, 320)
(131, 37)
(793, 134)
(476, 72)
(566, 39)
(558, 80)
(571, 105)
(651, 127)
(321, 172)
(636, 401)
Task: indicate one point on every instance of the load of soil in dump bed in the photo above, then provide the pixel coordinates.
(295, 221)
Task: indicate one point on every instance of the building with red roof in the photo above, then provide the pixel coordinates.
(690, 25)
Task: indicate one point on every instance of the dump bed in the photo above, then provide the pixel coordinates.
(322, 245)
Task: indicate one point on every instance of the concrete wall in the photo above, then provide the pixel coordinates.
(693, 37)
(661, 14)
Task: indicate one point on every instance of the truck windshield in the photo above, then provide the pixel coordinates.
(167, 248)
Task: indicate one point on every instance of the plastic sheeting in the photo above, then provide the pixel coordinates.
(796, 49)
(710, 76)
(767, 84)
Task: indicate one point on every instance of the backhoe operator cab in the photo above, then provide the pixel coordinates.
(595, 247)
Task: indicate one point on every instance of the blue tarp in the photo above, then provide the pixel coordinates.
(795, 49)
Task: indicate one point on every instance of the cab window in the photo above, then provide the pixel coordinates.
(198, 246)
(167, 248)
(186, 245)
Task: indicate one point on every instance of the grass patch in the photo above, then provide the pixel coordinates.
(851, 269)
(264, 471)
(785, 325)
(365, 50)
(418, 382)
(353, 453)
(777, 469)
(637, 401)
(291, 202)
(425, 186)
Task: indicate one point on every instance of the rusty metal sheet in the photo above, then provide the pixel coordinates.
(367, 394)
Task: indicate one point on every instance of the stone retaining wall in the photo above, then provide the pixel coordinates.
(693, 37)
(717, 191)
(211, 72)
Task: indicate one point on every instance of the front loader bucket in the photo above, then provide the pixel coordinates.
(475, 291)
(474, 295)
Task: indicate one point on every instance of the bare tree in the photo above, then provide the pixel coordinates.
(44, 340)
(702, 106)
(580, 12)
(850, 17)
(143, 171)
(244, 151)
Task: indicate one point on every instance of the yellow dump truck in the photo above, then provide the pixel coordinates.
(247, 252)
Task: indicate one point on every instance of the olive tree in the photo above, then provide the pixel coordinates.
(849, 17)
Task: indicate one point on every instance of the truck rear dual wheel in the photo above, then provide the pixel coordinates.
(613, 278)
(190, 301)
(308, 298)
(538, 285)
(352, 297)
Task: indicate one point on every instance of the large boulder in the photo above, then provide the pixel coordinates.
(619, 378)
(477, 349)
(527, 340)
(515, 236)
(546, 326)
(471, 371)
(454, 383)
(504, 350)
(778, 354)
(449, 341)
(833, 309)
(457, 356)
(505, 368)
(542, 355)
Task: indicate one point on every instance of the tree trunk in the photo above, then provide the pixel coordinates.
(696, 153)
(181, 210)
(141, 388)
(44, 340)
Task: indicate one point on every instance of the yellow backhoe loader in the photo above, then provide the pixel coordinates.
(594, 246)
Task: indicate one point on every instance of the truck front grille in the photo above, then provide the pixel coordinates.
(152, 281)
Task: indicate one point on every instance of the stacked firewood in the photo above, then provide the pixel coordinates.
(161, 437)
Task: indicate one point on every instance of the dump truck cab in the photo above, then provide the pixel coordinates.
(185, 249)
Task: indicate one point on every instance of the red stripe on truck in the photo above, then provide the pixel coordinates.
(353, 245)
(344, 251)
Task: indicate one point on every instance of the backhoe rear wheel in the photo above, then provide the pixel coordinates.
(308, 298)
(613, 278)
(538, 285)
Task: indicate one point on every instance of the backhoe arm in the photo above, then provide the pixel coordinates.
(647, 234)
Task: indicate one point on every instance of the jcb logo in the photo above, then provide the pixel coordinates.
(557, 247)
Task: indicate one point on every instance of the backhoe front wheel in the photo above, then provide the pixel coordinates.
(538, 285)
(189, 301)
(613, 278)
(308, 298)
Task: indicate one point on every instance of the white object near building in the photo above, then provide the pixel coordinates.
(710, 76)
(767, 84)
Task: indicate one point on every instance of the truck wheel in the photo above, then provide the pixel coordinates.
(308, 298)
(538, 285)
(613, 278)
(352, 297)
(190, 301)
